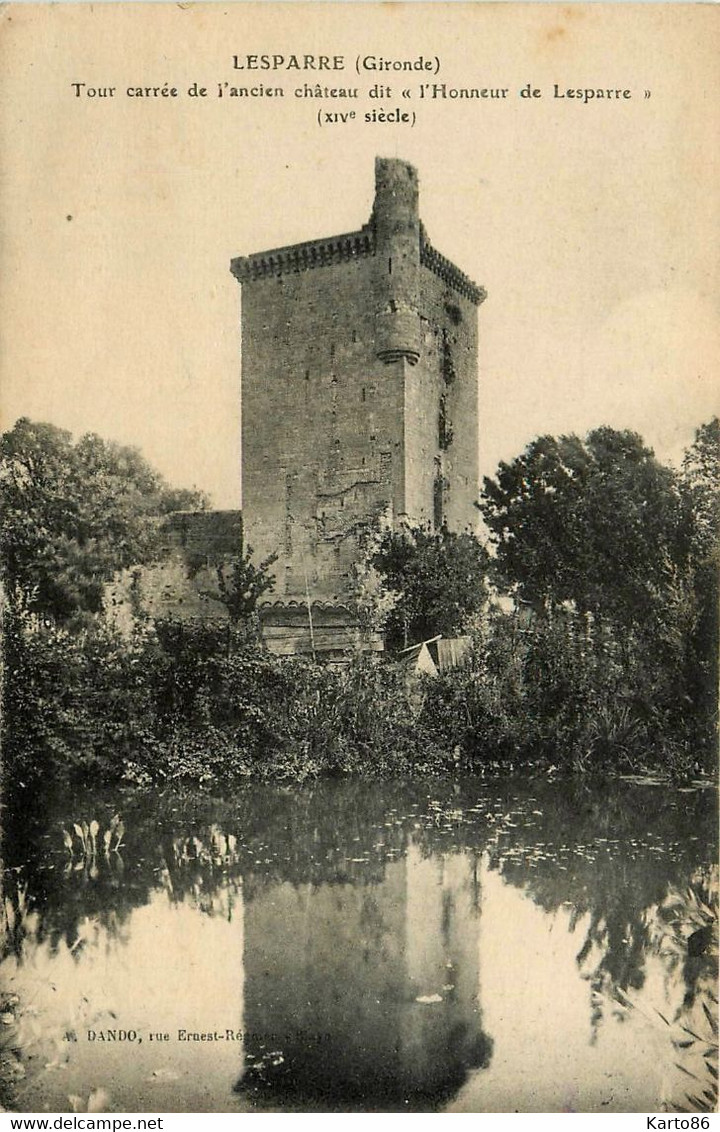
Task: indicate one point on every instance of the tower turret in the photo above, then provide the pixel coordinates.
(396, 222)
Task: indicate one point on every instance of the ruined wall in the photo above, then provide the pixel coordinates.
(182, 583)
(213, 535)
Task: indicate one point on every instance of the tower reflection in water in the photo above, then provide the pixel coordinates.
(365, 990)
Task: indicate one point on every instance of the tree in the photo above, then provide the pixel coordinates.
(700, 483)
(438, 580)
(73, 514)
(597, 522)
(700, 480)
(601, 525)
(241, 584)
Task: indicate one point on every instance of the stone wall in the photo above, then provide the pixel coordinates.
(181, 584)
(211, 534)
(322, 423)
(442, 408)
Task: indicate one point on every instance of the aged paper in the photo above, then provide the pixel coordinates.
(588, 221)
(567, 159)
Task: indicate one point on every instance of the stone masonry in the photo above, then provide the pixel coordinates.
(359, 396)
(182, 584)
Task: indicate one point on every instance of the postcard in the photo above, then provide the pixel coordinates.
(360, 457)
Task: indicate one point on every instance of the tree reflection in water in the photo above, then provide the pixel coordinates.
(612, 858)
(362, 910)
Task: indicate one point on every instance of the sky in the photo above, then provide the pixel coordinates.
(592, 224)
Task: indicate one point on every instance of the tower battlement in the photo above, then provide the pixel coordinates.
(305, 256)
(351, 245)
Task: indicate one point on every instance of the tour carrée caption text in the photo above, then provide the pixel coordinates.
(362, 64)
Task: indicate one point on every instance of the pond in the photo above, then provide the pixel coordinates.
(467, 946)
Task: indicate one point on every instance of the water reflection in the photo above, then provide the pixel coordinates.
(378, 981)
(366, 945)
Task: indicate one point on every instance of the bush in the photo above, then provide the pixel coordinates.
(77, 705)
(201, 706)
(561, 692)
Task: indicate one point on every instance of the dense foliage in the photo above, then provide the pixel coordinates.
(600, 527)
(605, 669)
(700, 593)
(73, 514)
(598, 522)
(175, 704)
(436, 578)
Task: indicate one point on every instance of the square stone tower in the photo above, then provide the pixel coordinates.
(359, 395)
